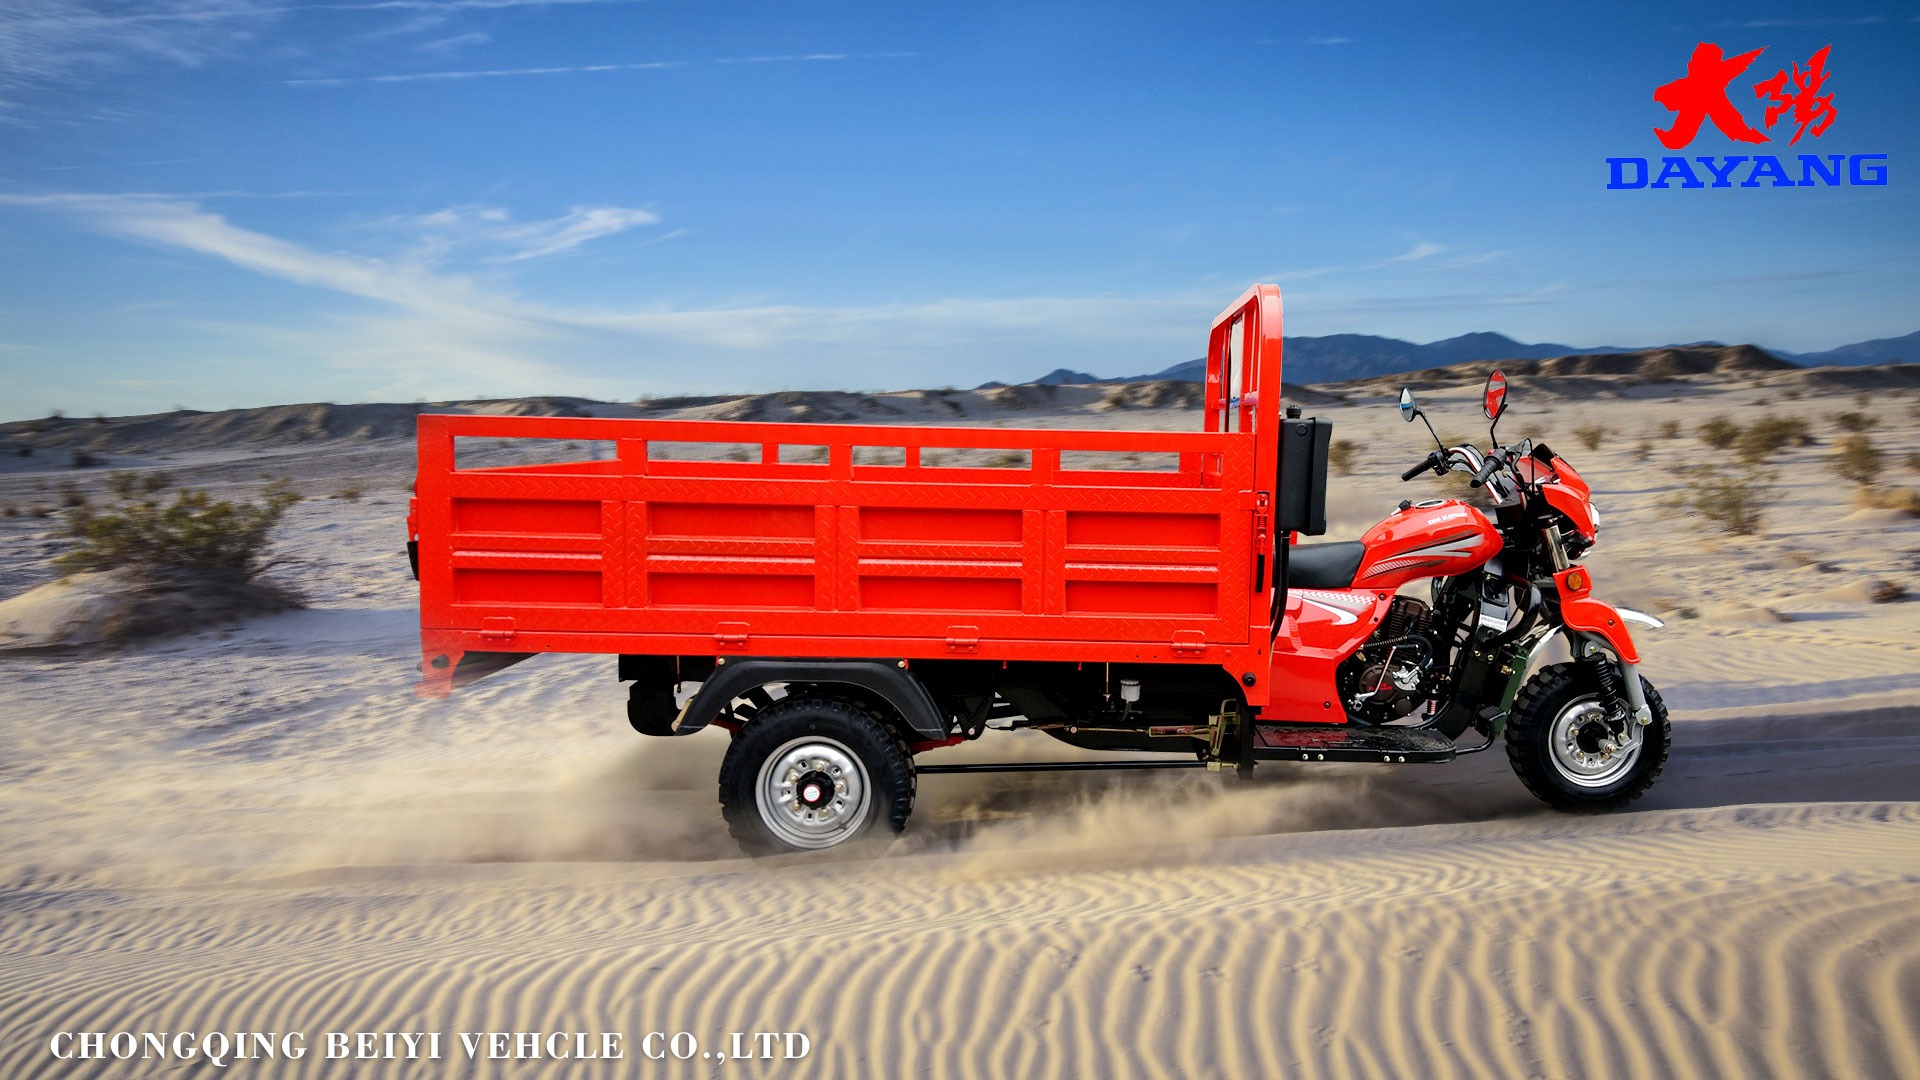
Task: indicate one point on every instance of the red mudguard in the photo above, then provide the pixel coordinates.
(1580, 611)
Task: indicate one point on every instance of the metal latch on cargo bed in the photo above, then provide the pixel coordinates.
(730, 635)
(497, 628)
(963, 638)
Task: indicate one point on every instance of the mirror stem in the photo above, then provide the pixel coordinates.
(1421, 413)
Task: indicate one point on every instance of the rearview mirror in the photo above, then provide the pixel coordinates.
(1406, 404)
(1495, 402)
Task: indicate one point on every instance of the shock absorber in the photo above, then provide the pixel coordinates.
(1606, 675)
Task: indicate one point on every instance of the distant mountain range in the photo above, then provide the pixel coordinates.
(1340, 357)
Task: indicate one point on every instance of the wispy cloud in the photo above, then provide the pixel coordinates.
(1775, 24)
(575, 69)
(56, 41)
(45, 41)
(431, 331)
(491, 234)
(1330, 40)
(454, 43)
(492, 73)
(1419, 252)
(184, 225)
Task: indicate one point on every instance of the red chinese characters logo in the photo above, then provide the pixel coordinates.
(1702, 95)
(1809, 105)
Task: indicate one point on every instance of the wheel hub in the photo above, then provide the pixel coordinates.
(1588, 750)
(812, 792)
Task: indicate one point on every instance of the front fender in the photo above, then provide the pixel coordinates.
(1580, 611)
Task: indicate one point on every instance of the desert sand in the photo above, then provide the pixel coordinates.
(257, 827)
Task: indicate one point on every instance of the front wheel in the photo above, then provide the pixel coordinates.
(1564, 750)
(812, 773)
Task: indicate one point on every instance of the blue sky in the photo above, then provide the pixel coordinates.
(218, 203)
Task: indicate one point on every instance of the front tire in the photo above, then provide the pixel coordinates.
(1559, 744)
(813, 773)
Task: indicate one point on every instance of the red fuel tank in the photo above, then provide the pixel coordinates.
(1437, 538)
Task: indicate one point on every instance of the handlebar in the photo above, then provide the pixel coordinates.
(1495, 460)
(1432, 462)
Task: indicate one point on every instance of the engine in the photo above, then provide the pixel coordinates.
(1394, 673)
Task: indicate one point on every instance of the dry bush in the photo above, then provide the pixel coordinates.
(1734, 502)
(194, 532)
(1766, 437)
(1854, 421)
(351, 493)
(1643, 450)
(1719, 432)
(1913, 460)
(1855, 458)
(1670, 429)
(1874, 497)
(1341, 454)
(1590, 435)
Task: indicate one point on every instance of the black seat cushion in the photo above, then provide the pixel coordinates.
(1324, 566)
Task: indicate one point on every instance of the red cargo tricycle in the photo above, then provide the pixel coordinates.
(851, 599)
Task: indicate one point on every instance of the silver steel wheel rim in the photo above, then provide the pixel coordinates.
(1577, 742)
(812, 793)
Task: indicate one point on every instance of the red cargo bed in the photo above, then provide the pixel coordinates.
(1051, 558)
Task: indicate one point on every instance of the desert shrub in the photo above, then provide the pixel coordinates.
(10, 510)
(1913, 460)
(81, 459)
(1719, 432)
(25, 450)
(1763, 438)
(1670, 429)
(1590, 435)
(351, 493)
(1855, 458)
(71, 495)
(128, 485)
(1874, 497)
(1341, 454)
(1732, 501)
(192, 532)
(1854, 421)
(1643, 450)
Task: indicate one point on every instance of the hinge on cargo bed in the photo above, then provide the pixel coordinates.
(730, 634)
(1189, 643)
(963, 638)
(497, 628)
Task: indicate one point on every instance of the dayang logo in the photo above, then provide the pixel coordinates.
(1795, 99)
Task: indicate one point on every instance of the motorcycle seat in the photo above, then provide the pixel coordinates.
(1324, 566)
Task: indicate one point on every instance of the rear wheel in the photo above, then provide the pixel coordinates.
(1564, 750)
(813, 773)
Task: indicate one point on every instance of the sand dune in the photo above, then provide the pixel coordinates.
(260, 828)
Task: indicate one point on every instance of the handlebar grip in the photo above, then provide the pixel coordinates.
(1488, 468)
(1418, 469)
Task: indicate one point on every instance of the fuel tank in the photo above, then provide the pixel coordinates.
(1436, 538)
